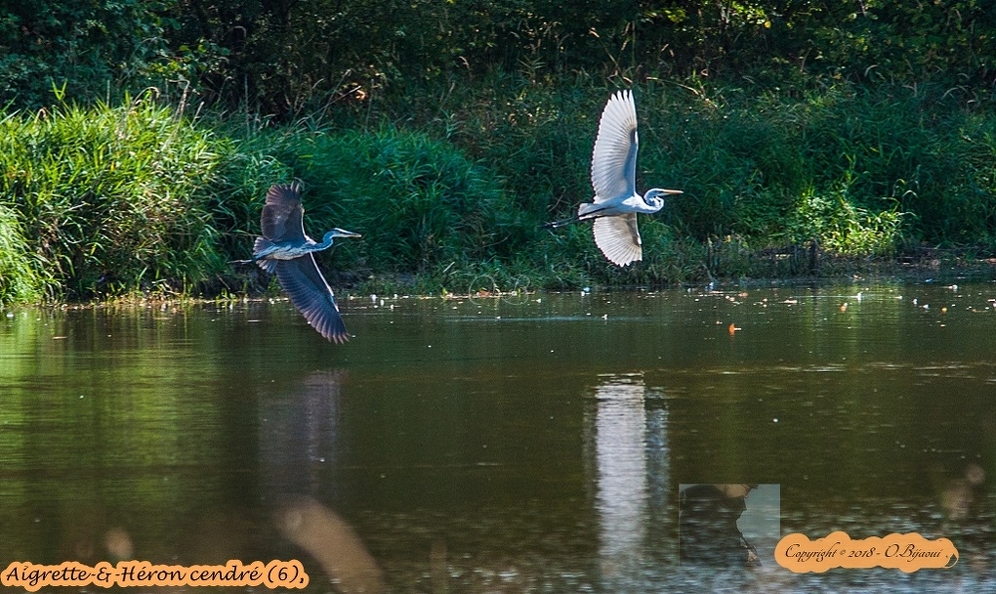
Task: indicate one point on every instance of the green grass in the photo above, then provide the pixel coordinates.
(22, 276)
(866, 172)
(110, 199)
(420, 203)
(449, 186)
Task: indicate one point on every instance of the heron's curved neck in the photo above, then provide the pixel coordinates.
(326, 241)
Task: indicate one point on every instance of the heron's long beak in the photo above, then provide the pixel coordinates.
(673, 192)
(343, 233)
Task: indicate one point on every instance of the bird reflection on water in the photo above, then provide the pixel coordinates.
(298, 443)
(631, 459)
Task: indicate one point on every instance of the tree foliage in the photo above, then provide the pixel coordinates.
(447, 131)
(82, 46)
(284, 55)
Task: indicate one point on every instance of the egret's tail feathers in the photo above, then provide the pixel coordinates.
(588, 208)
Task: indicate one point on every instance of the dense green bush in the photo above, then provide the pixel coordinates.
(87, 48)
(419, 203)
(108, 200)
(284, 58)
(111, 200)
(22, 278)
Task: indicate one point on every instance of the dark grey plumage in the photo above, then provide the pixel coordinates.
(285, 250)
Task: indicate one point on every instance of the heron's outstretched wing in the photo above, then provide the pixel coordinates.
(282, 218)
(613, 162)
(312, 296)
(619, 238)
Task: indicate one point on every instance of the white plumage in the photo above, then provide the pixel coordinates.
(613, 177)
(618, 238)
(613, 160)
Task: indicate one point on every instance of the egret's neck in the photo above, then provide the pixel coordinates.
(654, 200)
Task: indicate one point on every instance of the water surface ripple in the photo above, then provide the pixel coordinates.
(529, 443)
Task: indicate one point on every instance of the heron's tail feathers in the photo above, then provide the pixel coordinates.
(267, 265)
(262, 244)
(260, 250)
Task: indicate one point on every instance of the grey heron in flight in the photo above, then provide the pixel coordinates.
(613, 176)
(285, 250)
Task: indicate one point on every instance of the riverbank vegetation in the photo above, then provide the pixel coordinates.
(809, 138)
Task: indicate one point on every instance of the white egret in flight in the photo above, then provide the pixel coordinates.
(613, 176)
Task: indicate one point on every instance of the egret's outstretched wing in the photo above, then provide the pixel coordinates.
(619, 238)
(613, 162)
(311, 295)
(282, 218)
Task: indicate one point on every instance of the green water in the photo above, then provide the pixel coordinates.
(517, 444)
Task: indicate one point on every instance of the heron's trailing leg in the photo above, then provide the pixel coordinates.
(558, 224)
